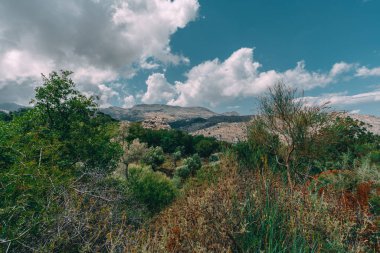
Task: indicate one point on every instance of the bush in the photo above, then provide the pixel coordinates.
(183, 172)
(173, 140)
(135, 152)
(153, 189)
(154, 157)
(214, 157)
(205, 147)
(374, 157)
(374, 204)
(194, 163)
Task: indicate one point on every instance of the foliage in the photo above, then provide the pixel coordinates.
(153, 189)
(214, 157)
(172, 140)
(374, 203)
(206, 147)
(46, 156)
(135, 152)
(182, 172)
(285, 115)
(154, 157)
(62, 114)
(253, 211)
(5, 116)
(343, 142)
(176, 156)
(194, 163)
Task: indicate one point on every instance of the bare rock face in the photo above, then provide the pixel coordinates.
(228, 127)
(156, 123)
(237, 131)
(170, 113)
(229, 132)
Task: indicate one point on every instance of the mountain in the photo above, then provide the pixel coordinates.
(166, 112)
(10, 107)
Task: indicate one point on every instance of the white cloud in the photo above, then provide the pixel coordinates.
(158, 90)
(94, 75)
(106, 94)
(17, 65)
(100, 41)
(216, 82)
(129, 101)
(366, 72)
(342, 99)
(340, 68)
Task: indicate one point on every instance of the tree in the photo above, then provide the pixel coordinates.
(63, 114)
(154, 157)
(60, 104)
(206, 147)
(176, 156)
(194, 163)
(284, 113)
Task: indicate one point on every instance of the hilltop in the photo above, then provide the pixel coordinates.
(228, 126)
(148, 111)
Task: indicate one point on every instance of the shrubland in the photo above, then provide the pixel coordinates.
(74, 180)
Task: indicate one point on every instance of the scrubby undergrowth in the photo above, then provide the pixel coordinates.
(253, 211)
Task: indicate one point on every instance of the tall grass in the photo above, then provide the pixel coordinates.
(254, 211)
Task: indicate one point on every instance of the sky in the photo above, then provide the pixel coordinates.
(220, 54)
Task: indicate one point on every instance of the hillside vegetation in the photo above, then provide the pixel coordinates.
(73, 179)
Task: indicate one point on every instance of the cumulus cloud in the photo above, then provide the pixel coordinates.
(129, 101)
(99, 40)
(158, 90)
(366, 72)
(218, 82)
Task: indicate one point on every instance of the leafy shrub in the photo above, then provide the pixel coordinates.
(183, 172)
(154, 157)
(172, 140)
(136, 151)
(153, 189)
(205, 147)
(214, 157)
(194, 163)
(374, 204)
(176, 156)
(343, 142)
(374, 157)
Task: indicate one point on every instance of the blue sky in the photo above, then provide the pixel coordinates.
(215, 53)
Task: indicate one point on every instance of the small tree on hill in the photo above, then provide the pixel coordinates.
(285, 114)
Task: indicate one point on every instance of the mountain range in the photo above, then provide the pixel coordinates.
(196, 120)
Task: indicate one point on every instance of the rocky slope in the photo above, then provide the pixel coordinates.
(229, 132)
(229, 126)
(164, 112)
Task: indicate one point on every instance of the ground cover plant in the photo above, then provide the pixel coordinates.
(74, 180)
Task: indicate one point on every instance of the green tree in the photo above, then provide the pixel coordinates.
(72, 118)
(206, 147)
(154, 157)
(284, 113)
(194, 163)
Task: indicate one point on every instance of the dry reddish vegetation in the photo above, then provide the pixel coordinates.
(214, 217)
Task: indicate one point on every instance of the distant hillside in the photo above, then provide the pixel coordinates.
(372, 121)
(10, 107)
(195, 124)
(166, 112)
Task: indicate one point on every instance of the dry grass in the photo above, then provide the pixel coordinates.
(251, 211)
